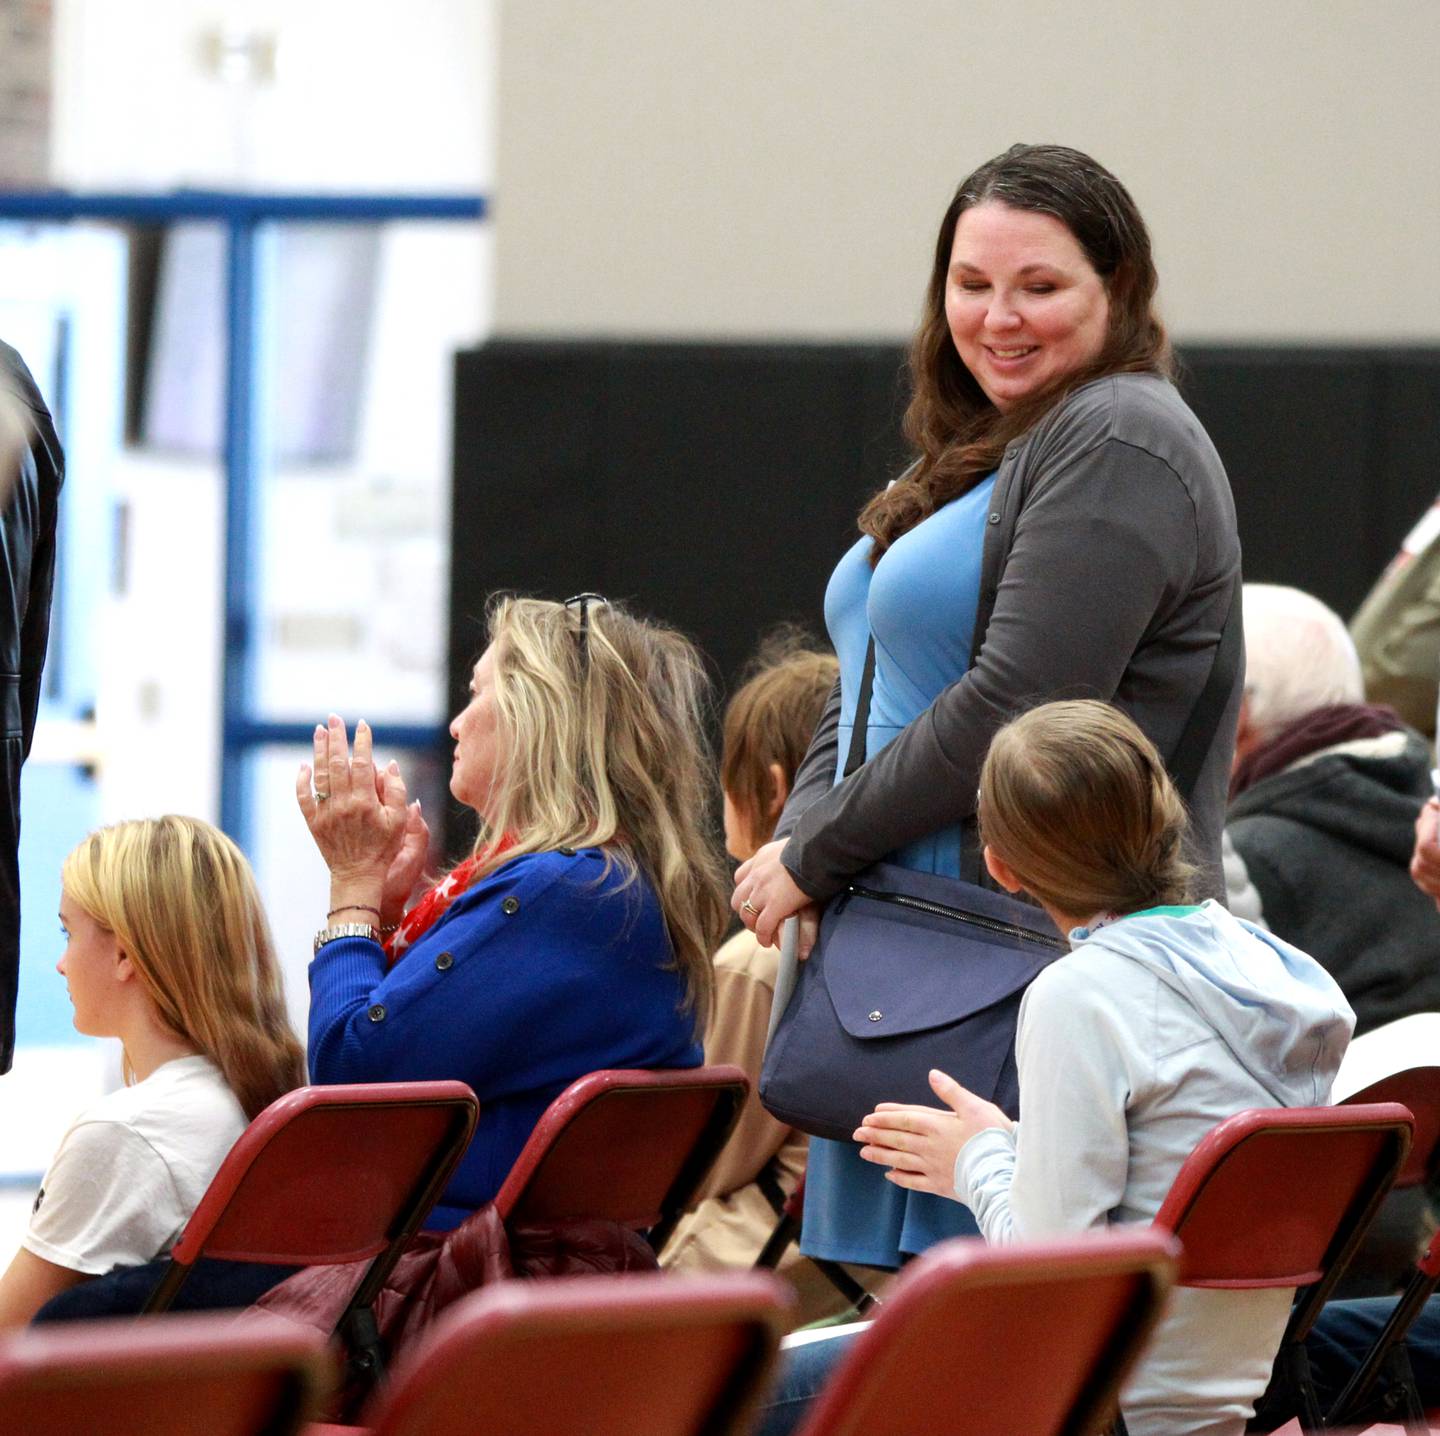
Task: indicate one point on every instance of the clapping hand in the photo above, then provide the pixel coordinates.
(358, 818)
(407, 866)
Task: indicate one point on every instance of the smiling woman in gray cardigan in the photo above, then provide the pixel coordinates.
(1066, 531)
(1109, 564)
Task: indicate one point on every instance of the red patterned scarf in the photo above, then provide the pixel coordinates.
(427, 912)
(1320, 728)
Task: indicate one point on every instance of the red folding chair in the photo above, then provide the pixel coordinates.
(1417, 1088)
(636, 1355)
(946, 1353)
(1385, 1262)
(345, 1173)
(1282, 1198)
(185, 1376)
(625, 1146)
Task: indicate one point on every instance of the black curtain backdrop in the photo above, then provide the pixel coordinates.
(716, 485)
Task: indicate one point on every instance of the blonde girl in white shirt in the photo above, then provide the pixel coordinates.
(168, 949)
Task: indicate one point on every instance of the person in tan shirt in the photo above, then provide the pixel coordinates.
(768, 726)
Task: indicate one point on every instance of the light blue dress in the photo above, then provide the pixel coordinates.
(919, 602)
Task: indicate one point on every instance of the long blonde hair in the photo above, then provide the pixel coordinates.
(602, 745)
(1076, 800)
(181, 900)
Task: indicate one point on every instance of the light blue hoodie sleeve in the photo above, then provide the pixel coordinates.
(984, 1173)
(1064, 1167)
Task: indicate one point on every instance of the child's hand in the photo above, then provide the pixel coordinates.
(920, 1144)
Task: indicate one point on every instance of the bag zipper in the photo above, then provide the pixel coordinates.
(1007, 929)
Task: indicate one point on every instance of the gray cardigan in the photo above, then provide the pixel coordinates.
(1109, 563)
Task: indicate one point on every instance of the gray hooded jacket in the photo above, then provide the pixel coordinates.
(1130, 1049)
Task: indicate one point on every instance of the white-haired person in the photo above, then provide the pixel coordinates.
(578, 935)
(1323, 800)
(167, 948)
(1164, 1018)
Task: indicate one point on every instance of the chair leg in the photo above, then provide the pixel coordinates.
(846, 1285)
(364, 1351)
(1384, 1380)
(786, 1230)
(1388, 1397)
(1404, 1399)
(165, 1289)
(1292, 1389)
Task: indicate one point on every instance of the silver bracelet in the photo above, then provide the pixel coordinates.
(345, 929)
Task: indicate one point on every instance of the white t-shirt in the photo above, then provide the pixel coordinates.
(133, 1167)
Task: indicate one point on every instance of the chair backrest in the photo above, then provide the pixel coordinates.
(185, 1376)
(1417, 1088)
(610, 1356)
(1026, 1340)
(625, 1146)
(343, 1173)
(1279, 1197)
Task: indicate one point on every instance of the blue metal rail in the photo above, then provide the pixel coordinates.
(235, 206)
(259, 733)
(243, 213)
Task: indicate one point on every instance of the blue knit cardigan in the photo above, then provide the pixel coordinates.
(548, 968)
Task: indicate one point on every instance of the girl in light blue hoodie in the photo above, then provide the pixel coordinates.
(1164, 1019)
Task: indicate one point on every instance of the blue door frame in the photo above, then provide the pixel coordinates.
(243, 214)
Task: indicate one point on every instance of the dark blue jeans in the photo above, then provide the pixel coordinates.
(1346, 1330)
(211, 1286)
(804, 1370)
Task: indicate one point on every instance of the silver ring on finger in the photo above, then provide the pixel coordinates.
(321, 797)
(748, 906)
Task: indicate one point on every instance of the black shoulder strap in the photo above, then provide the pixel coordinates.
(1193, 747)
(1190, 751)
(855, 758)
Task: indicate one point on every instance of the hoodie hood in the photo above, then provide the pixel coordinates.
(1282, 1016)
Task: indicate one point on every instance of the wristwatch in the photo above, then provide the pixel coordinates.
(345, 929)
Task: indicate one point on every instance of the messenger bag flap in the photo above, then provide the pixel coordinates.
(908, 959)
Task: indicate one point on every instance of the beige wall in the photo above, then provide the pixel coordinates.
(777, 167)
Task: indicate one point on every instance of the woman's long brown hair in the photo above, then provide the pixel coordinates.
(958, 435)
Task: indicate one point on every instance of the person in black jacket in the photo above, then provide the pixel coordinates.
(32, 468)
(1323, 801)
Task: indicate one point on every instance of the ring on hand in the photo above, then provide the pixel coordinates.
(748, 906)
(319, 796)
